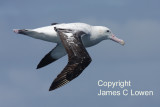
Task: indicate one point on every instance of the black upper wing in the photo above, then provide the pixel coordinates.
(78, 58)
(54, 23)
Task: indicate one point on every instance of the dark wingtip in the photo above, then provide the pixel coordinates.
(38, 66)
(51, 88)
(45, 61)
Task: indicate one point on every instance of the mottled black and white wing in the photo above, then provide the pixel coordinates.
(78, 57)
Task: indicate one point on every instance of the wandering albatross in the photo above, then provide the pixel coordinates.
(71, 39)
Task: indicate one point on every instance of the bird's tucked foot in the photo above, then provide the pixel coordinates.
(20, 31)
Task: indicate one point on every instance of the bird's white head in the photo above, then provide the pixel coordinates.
(107, 34)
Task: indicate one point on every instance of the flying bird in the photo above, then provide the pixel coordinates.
(71, 39)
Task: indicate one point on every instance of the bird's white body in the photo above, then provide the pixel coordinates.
(68, 38)
(49, 34)
(93, 35)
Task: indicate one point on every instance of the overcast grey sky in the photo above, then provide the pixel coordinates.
(137, 22)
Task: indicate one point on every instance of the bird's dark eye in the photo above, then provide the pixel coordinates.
(108, 31)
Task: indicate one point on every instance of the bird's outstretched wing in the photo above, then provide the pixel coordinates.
(78, 57)
(52, 56)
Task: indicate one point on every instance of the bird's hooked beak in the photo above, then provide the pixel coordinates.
(114, 38)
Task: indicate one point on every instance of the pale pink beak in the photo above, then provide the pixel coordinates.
(114, 38)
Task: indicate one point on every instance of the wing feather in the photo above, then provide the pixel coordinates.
(78, 57)
(52, 56)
